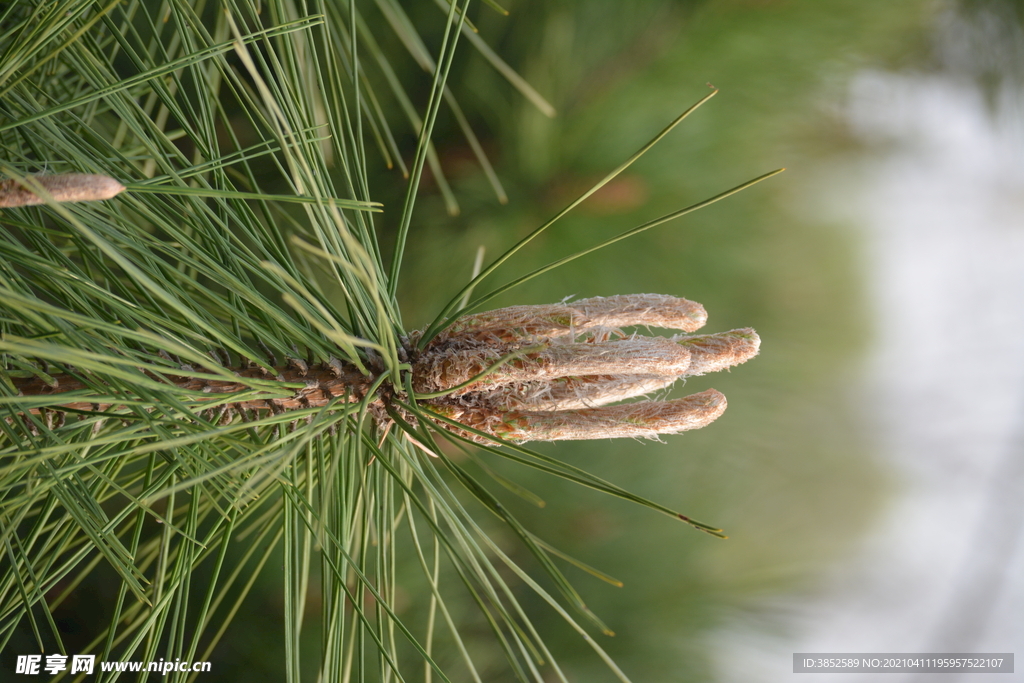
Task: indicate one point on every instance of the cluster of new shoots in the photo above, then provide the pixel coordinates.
(550, 373)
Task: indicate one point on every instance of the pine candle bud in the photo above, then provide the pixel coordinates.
(647, 419)
(572, 393)
(524, 323)
(66, 187)
(648, 310)
(640, 356)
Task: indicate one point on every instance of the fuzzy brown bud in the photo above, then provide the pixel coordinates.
(441, 371)
(572, 393)
(526, 323)
(648, 310)
(647, 419)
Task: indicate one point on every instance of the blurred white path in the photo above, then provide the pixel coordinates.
(942, 204)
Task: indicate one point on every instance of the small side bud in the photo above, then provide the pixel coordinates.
(67, 187)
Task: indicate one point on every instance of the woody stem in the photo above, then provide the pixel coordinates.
(322, 384)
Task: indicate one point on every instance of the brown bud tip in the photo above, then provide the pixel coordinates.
(714, 352)
(692, 412)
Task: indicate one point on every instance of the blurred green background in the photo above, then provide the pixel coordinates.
(788, 471)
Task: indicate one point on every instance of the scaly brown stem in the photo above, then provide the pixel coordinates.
(323, 383)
